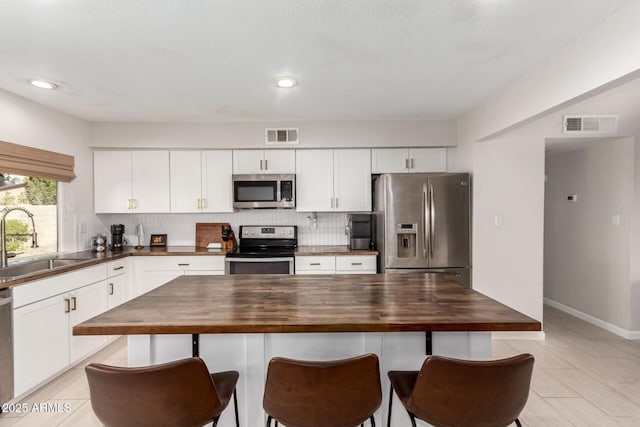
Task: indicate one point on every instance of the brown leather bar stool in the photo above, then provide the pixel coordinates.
(338, 393)
(180, 393)
(463, 393)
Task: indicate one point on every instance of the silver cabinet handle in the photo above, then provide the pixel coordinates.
(266, 165)
(412, 164)
(118, 268)
(336, 203)
(74, 303)
(261, 164)
(110, 288)
(356, 263)
(314, 263)
(406, 163)
(183, 265)
(67, 307)
(199, 204)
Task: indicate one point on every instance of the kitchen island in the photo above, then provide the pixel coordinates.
(247, 320)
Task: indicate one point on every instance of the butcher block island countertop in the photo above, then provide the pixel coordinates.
(292, 303)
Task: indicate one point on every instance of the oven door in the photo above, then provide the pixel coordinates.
(279, 265)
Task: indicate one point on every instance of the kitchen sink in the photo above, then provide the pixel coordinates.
(38, 266)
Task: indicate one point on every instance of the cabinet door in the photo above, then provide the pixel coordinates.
(186, 176)
(111, 181)
(280, 161)
(428, 159)
(86, 302)
(117, 290)
(248, 161)
(389, 160)
(150, 184)
(352, 175)
(41, 342)
(314, 180)
(217, 187)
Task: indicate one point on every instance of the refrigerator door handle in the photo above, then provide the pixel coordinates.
(426, 239)
(432, 221)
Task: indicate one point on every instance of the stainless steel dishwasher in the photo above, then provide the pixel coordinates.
(6, 347)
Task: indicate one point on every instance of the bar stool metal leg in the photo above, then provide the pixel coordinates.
(235, 406)
(390, 402)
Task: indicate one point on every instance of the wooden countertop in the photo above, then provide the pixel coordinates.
(89, 258)
(92, 258)
(314, 303)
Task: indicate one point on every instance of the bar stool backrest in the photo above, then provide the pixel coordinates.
(340, 393)
(471, 393)
(179, 393)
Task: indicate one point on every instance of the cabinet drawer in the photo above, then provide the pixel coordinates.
(117, 267)
(356, 263)
(185, 263)
(41, 289)
(315, 263)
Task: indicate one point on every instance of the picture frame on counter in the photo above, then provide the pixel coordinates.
(158, 240)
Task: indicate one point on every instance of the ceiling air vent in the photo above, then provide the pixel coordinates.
(281, 135)
(589, 125)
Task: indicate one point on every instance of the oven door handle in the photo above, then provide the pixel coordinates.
(275, 259)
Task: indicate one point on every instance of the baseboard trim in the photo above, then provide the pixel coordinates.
(518, 335)
(617, 330)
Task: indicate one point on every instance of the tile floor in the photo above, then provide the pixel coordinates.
(583, 376)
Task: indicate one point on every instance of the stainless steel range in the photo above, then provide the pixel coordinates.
(264, 250)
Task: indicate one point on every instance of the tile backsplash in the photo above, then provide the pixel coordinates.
(323, 228)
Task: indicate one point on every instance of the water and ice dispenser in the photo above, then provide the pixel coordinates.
(406, 236)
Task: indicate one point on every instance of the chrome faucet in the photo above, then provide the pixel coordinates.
(3, 233)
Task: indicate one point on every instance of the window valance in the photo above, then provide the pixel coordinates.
(28, 161)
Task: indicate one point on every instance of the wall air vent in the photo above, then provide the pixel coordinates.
(281, 135)
(590, 125)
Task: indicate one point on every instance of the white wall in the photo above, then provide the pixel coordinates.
(587, 255)
(508, 183)
(27, 123)
(313, 134)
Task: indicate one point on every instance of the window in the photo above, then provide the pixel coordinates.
(38, 196)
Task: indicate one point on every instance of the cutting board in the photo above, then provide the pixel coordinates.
(211, 232)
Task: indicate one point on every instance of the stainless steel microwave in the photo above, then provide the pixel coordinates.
(264, 191)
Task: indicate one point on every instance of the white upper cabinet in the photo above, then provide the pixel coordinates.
(403, 160)
(333, 180)
(314, 180)
(201, 181)
(264, 161)
(352, 180)
(131, 181)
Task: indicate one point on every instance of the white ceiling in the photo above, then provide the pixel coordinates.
(197, 60)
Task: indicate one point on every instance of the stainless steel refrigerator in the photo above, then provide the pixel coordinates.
(422, 223)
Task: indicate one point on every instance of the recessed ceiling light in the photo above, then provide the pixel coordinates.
(43, 84)
(286, 82)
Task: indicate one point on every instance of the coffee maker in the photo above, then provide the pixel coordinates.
(118, 241)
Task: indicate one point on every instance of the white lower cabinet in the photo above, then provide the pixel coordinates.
(85, 303)
(341, 264)
(154, 271)
(117, 282)
(44, 314)
(40, 342)
(353, 264)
